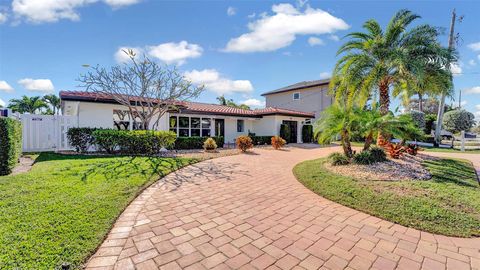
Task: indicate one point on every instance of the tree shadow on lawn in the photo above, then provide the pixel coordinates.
(461, 175)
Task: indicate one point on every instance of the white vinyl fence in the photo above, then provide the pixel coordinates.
(46, 132)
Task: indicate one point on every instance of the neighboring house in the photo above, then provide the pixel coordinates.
(308, 96)
(191, 118)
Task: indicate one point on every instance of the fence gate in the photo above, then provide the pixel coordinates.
(46, 132)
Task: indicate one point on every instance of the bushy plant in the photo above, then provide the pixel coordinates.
(277, 142)
(80, 138)
(285, 132)
(209, 144)
(395, 150)
(244, 143)
(260, 140)
(430, 120)
(418, 118)
(458, 120)
(183, 143)
(307, 133)
(363, 158)
(108, 140)
(338, 159)
(378, 154)
(10, 144)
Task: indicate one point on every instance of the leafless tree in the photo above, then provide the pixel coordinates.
(147, 89)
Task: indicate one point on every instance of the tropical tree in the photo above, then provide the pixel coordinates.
(337, 120)
(27, 104)
(230, 103)
(381, 61)
(53, 101)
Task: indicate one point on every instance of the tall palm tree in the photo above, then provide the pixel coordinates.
(337, 120)
(53, 101)
(376, 60)
(27, 104)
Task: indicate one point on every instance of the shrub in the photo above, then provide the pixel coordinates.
(430, 120)
(108, 140)
(183, 143)
(363, 158)
(337, 159)
(80, 138)
(277, 142)
(307, 133)
(395, 150)
(378, 154)
(260, 140)
(244, 143)
(418, 118)
(10, 144)
(285, 132)
(209, 144)
(458, 120)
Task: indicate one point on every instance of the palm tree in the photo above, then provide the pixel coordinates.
(27, 104)
(378, 60)
(53, 101)
(336, 120)
(230, 103)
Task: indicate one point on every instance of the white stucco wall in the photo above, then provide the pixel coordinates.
(231, 128)
(265, 126)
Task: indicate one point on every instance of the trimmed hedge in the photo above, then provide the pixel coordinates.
(10, 144)
(80, 138)
(134, 142)
(285, 132)
(261, 140)
(183, 143)
(307, 133)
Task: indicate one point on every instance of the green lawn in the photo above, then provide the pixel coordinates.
(450, 150)
(62, 209)
(448, 204)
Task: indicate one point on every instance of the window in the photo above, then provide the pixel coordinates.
(240, 125)
(195, 127)
(205, 127)
(296, 96)
(184, 124)
(173, 123)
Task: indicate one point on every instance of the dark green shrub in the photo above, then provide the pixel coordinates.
(378, 154)
(430, 120)
(10, 144)
(307, 133)
(195, 142)
(146, 142)
(261, 140)
(108, 140)
(285, 132)
(337, 159)
(80, 138)
(363, 158)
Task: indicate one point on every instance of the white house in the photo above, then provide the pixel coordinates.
(191, 119)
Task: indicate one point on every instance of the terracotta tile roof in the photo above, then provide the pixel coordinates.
(190, 107)
(298, 86)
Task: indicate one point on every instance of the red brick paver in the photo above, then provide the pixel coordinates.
(249, 212)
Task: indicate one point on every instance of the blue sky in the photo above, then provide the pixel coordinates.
(237, 48)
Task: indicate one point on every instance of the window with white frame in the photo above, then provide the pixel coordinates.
(296, 96)
(240, 125)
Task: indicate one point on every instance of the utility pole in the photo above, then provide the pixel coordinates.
(441, 106)
(460, 99)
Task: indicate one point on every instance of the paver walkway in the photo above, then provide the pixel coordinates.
(249, 212)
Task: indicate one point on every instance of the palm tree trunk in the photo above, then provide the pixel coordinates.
(347, 147)
(420, 102)
(368, 141)
(384, 97)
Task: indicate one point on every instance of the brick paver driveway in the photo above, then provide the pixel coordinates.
(249, 212)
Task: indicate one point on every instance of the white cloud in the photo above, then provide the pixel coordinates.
(231, 11)
(472, 62)
(463, 103)
(456, 69)
(474, 46)
(3, 17)
(279, 30)
(477, 107)
(473, 90)
(334, 37)
(2, 103)
(251, 16)
(175, 53)
(214, 82)
(39, 85)
(4, 86)
(122, 57)
(325, 75)
(314, 41)
(54, 10)
(253, 102)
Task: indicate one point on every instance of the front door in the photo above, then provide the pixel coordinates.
(220, 127)
(293, 130)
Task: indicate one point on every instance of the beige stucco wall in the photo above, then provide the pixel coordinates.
(313, 99)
